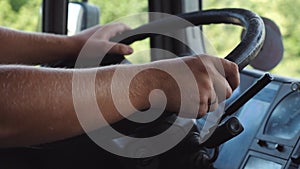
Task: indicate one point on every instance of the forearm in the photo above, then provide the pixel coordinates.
(34, 48)
(37, 104)
(40, 105)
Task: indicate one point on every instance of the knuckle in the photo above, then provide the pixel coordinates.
(205, 84)
(121, 26)
(202, 109)
(234, 67)
(213, 107)
(228, 92)
(190, 59)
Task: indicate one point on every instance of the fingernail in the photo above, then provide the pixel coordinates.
(129, 50)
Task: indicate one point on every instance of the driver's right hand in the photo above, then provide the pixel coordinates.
(215, 80)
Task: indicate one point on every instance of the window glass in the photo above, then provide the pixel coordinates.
(285, 13)
(130, 12)
(20, 14)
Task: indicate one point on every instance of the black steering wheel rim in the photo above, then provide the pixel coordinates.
(242, 54)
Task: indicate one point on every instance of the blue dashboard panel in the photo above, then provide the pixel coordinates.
(257, 115)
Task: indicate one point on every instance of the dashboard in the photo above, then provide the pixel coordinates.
(271, 121)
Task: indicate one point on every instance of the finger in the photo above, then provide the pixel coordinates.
(111, 30)
(203, 107)
(212, 103)
(222, 88)
(208, 104)
(231, 71)
(117, 48)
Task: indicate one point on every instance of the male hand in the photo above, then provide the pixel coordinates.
(99, 37)
(213, 77)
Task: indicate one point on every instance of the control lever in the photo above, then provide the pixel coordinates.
(226, 131)
(232, 127)
(247, 95)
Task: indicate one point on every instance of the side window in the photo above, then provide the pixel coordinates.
(26, 15)
(20, 14)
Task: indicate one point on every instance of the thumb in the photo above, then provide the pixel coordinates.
(117, 48)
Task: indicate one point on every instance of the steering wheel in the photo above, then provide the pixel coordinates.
(242, 54)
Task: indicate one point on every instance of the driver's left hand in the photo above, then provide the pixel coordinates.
(98, 37)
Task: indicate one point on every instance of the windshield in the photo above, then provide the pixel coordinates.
(285, 13)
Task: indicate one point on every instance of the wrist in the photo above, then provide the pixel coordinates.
(74, 46)
(146, 82)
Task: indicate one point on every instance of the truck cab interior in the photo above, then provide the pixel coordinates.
(259, 128)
